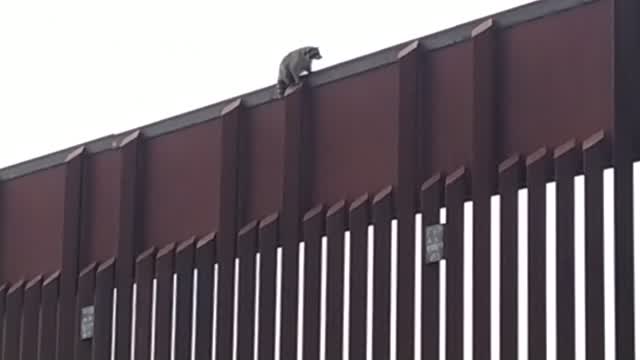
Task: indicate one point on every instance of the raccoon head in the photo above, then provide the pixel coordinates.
(312, 53)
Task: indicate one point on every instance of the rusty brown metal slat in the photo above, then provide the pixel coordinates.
(268, 244)
(358, 227)
(105, 284)
(596, 154)
(205, 261)
(382, 215)
(294, 199)
(406, 200)
(336, 227)
(3, 316)
(132, 165)
(484, 146)
(31, 319)
(313, 231)
(567, 163)
(538, 173)
(431, 200)
(185, 261)
(511, 177)
(48, 317)
(626, 111)
(455, 193)
(86, 294)
(227, 227)
(13, 321)
(145, 273)
(247, 249)
(165, 267)
(70, 252)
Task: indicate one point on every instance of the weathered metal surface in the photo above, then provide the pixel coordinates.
(567, 160)
(295, 195)
(626, 86)
(32, 217)
(181, 192)
(447, 115)
(313, 230)
(484, 125)
(597, 151)
(101, 207)
(555, 79)
(511, 176)
(264, 161)
(354, 136)
(129, 232)
(431, 200)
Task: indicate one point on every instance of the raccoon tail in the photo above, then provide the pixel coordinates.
(280, 89)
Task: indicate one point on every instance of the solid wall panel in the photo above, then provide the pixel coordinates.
(263, 171)
(556, 78)
(32, 218)
(447, 101)
(182, 181)
(101, 207)
(354, 135)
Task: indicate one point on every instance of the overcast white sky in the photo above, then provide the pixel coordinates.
(73, 71)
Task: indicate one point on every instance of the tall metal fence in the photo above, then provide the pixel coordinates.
(360, 285)
(294, 228)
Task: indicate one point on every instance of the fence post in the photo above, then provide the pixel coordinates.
(336, 227)
(74, 164)
(105, 281)
(145, 273)
(86, 297)
(268, 244)
(247, 249)
(456, 192)
(358, 227)
(383, 212)
(596, 156)
(31, 319)
(185, 261)
(483, 168)
(231, 117)
(511, 174)
(3, 317)
(566, 161)
(539, 171)
(205, 261)
(313, 230)
(13, 321)
(48, 317)
(431, 199)
(408, 62)
(165, 266)
(129, 239)
(294, 203)
(626, 86)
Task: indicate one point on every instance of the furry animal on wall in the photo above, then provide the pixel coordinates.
(293, 65)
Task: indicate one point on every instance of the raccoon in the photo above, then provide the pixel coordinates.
(292, 65)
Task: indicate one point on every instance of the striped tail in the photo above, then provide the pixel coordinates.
(281, 87)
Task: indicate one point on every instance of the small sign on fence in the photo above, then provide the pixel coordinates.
(86, 323)
(434, 243)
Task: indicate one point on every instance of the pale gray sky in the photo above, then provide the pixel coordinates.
(72, 71)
